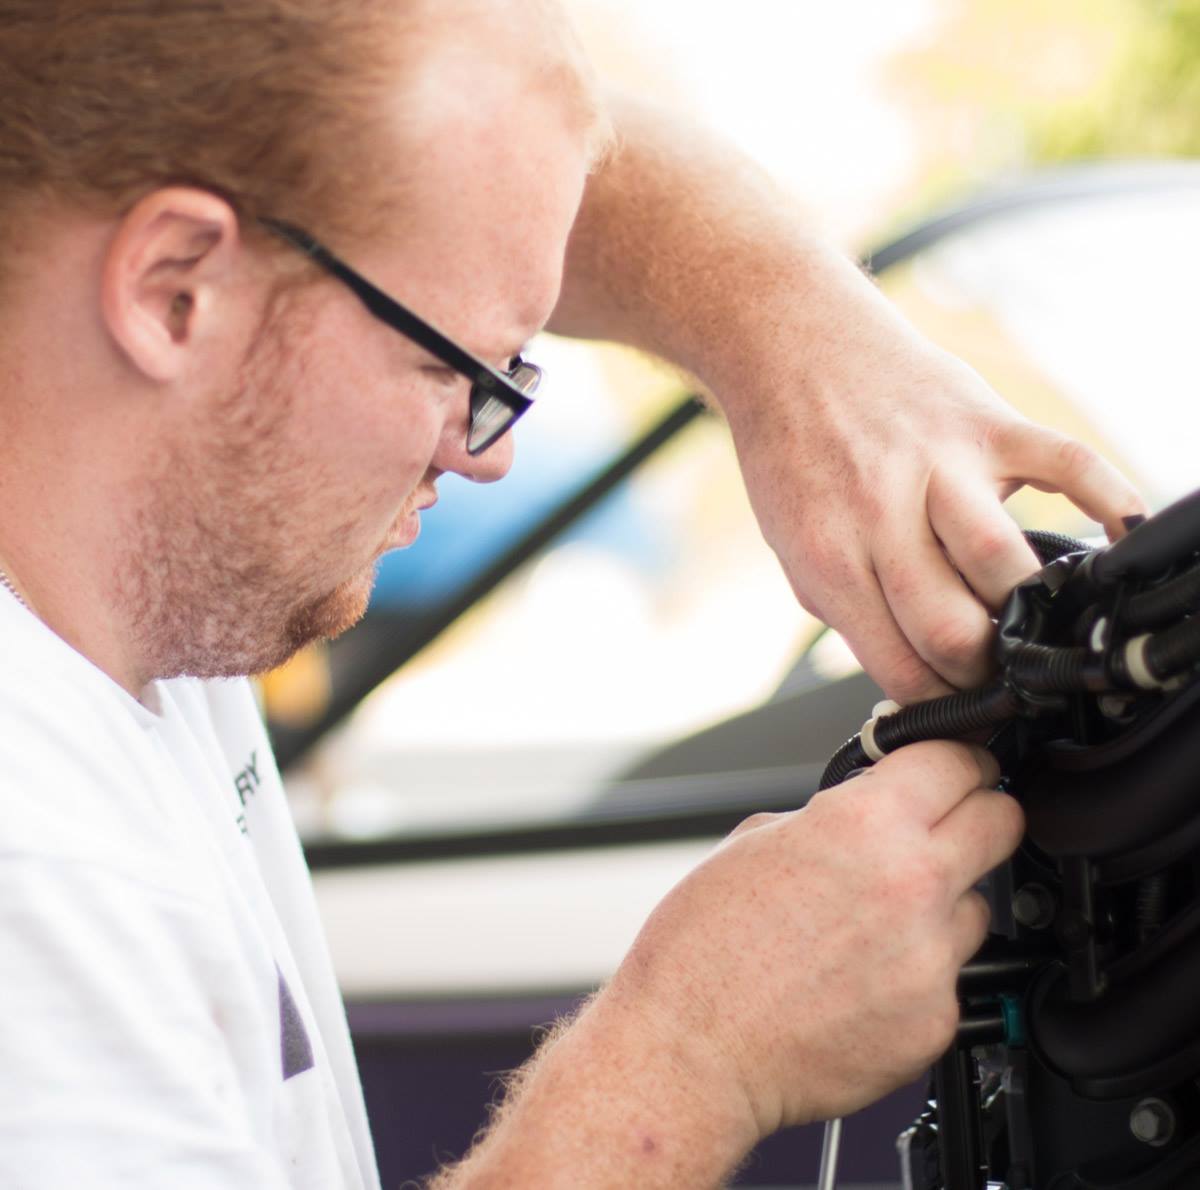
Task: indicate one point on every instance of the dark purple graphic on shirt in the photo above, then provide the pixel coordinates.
(293, 1036)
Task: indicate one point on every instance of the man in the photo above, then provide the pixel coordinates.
(211, 430)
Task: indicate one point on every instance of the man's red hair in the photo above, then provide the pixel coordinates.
(270, 103)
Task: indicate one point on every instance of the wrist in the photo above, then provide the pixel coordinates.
(689, 1095)
(616, 1100)
(804, 329)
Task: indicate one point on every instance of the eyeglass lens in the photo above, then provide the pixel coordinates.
(492, 415)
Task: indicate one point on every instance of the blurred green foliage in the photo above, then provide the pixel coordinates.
(1148, 105)
(1003, 84)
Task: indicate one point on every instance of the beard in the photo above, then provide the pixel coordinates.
(235, 561)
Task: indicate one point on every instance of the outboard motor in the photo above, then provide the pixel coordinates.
(1077, 1063)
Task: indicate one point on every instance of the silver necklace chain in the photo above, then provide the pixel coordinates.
(7, 584)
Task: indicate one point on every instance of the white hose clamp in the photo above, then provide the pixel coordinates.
(1136, 667)
(866, 737)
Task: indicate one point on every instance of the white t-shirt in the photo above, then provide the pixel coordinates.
(168, 1010)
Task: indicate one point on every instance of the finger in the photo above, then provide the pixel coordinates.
(863, 617)
(982, 542)
(1053, 462)
(940, 617)
(976, 835)
(969, 921)
(930, 778)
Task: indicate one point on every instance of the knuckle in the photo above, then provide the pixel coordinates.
(990, 547)
(1004, 435)
(937, 875)
(823, 552)
(911, 888)
(957, 639)
(822, 801)
(827, 552)
(1074, 459)
(754, 822)
(908, 679)
(851, 815)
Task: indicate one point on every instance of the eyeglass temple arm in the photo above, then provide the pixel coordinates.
(436, 342)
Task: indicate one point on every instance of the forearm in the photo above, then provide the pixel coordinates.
(687, 249)
(605, 1105)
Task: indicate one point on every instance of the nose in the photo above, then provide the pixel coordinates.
(451, 454)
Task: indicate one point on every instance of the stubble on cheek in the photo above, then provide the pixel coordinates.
(229, 560)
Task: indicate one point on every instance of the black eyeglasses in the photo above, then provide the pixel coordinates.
(498, 398)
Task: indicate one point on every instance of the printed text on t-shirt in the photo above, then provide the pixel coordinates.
(246, 783)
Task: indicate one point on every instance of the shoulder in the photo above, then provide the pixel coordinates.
(83, 774)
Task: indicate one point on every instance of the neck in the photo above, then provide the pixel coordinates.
(57, 557)
(91, 635)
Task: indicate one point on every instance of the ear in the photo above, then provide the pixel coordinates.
(165, 272)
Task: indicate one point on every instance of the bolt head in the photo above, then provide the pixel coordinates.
(1152, 1121)
(1033, 906)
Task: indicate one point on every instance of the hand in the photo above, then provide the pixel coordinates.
(808, 966)
(877, 465)
(879, 482)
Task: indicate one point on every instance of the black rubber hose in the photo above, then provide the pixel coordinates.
(1042, 669)
(1174, 650)
(845, 760)
(949, 717)
(1162, 605)
(1049, 546)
